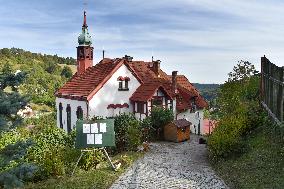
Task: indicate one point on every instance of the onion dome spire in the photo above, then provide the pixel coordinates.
(85, 38)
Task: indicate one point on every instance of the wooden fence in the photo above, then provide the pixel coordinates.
(272, 89)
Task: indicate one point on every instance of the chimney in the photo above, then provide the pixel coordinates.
(174, 81)
(128, 58)
(156, 67)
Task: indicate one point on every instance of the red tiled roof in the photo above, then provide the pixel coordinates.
(186, 90)
(148, 89)
(190, 91)
(85, 85)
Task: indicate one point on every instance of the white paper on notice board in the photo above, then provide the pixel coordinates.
(98, 139)
(103, 127)
(90, 139)
(94, 128)
(86, 128)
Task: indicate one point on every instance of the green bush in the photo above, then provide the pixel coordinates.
(13, 168)
(127, 132)
(161, 117)
(148, 131)
(10, 137)
(134, 135)
(48, 152)
(239, 113)
(91, 159)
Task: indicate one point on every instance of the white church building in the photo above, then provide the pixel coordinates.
(122, 85)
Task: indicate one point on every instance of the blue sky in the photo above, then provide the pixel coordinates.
(202, 39)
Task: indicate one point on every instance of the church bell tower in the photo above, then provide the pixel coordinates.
(85, 49)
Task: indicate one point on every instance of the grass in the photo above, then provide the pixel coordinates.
(260, 166)
(100, 178)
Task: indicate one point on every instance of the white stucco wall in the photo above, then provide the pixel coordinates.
(192, 117)
(109, 94)
(74, 105)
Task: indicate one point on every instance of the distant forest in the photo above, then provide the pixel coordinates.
(208, 91)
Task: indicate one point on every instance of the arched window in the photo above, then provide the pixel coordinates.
(60, 115)
(68, 111)
(79, 113)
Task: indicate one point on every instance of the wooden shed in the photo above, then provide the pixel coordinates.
(177, 131)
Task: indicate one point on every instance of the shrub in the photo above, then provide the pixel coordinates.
(49, 150)
(14, 169)
(91, 159)
(126, 128)
(239, 113)
(148, 131)
(160, 117)
(134, 135)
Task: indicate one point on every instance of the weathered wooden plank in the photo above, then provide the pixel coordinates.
(272, 89)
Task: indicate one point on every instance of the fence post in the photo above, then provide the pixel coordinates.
(262, 80)
(282, 102)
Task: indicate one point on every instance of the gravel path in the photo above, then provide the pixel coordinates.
(171, 165)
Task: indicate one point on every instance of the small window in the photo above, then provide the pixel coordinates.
(123, 85)
(158, 102)
(68, 111)
(120, 85)
(60, 115)
(126, 84)
(140, 107)
(79, 113)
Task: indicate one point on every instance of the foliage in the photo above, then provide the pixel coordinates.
(242, 71)
(13, 168)
(10, 102)
(49, 150)
(261, 164)
(238, 111)
(91, 159)
(42, 73)
(148, 131)
(102, 177)
(66, 72)
(134, 135)
(160, 117)
(14, 178)
(126, 128)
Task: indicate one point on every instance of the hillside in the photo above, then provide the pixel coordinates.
(208, 91)
(261, 165)
(44, 73)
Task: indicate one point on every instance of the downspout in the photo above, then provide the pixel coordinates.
(174, 90)
(87, 103)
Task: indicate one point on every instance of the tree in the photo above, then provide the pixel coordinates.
(242, 70)
(67, 72)
(10, 102)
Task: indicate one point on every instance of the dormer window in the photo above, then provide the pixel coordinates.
(123, 83)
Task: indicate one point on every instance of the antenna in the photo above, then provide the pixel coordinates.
(104, 52)
(152, 55)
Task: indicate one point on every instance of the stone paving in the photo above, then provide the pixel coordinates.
(172, 166)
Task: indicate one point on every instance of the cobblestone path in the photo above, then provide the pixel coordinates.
(171, 165)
